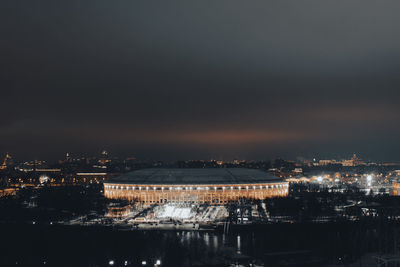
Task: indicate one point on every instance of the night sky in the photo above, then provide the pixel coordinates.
(200, 79)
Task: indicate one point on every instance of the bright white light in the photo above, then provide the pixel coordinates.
(158, 262)
(170, 211)
(126, 263)
(43, 179)
(319, 179)
(337, 180)
(144, 262)
(111, 262)
(369, 178)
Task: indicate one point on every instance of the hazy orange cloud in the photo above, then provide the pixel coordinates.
(226, 137)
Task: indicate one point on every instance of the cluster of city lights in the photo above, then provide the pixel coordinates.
(144, 263)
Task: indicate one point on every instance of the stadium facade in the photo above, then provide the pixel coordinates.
(212, 186)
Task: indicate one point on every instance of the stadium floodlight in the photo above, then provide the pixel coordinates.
(111, 262)
(158, 262)
(369, 179)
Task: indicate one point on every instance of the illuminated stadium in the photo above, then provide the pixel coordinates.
(212, 186)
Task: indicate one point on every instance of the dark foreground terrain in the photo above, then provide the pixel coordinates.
(275, 244)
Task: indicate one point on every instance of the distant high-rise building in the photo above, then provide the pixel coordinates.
(6, 162)
(68, 157)
(104, 158)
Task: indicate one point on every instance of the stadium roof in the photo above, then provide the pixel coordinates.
(196, 176)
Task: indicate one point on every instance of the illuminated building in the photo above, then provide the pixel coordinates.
(396, 188)
(213, 186)
(4, 165)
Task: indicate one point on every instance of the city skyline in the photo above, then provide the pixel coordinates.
(199, 133)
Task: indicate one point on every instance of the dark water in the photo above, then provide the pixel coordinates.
(271, 245)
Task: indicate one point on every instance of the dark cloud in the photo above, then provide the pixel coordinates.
(208, 79)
